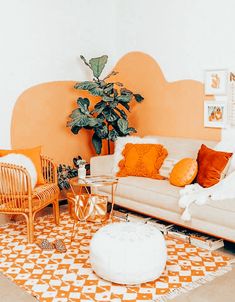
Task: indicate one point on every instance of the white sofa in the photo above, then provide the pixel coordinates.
(158, 198)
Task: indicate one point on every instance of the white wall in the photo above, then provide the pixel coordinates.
(185, 36)
(41, 40)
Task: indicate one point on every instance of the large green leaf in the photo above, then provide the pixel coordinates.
(75, 113)
(99, 107)
(97, 91)
(108, 89)
(138, 97)
(113, 104)
(93, 122)
(102, 131)
(86, 85)
(88, 127)
(76, 129)
(122, 113)
(113, 135)
(115, 126)
(97, 65)
(80, 121)
(115, 93)
(110, 114)
(84, 103)
(125, 91)
(125, 98)
(92, 87)
(107, 98)
(101, 116)
(130, 130)
(97, 143)
(122, 125)
(125, 105)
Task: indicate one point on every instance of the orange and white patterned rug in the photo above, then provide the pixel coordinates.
(54, 277)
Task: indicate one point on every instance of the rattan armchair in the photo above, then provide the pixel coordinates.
(17, 196)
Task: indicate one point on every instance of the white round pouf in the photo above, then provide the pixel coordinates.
(128, 253)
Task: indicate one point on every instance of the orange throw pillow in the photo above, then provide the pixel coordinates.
(184, 172)
(142, 160)
(211, 164)
(34, 155)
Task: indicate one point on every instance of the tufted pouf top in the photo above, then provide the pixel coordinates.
(128, 253)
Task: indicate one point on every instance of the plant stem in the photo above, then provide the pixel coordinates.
(108, 146)
(108, 139)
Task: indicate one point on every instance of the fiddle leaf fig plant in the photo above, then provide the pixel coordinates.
(108, 118)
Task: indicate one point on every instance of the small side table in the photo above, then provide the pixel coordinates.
(76, 202)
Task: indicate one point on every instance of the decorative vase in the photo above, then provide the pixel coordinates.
(82, 172)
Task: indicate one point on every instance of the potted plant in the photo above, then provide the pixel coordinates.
(81, 168)
(108, 119)
(65, 172)
(77, 161)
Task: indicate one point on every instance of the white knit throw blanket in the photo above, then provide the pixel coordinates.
(225, 189)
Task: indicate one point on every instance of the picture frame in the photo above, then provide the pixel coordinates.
(216, 81)
(216, 113)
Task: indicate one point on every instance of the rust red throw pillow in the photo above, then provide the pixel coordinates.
(211, 164)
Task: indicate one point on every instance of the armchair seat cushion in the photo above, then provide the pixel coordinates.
(45, 192)
(41, 195)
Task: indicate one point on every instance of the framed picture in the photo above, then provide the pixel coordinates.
(215, 114)
(216, 81)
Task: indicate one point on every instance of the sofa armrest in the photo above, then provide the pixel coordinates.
(102, 165)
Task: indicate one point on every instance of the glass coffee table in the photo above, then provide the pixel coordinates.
(87, 203)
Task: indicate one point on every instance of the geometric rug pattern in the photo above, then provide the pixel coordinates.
(66, 277)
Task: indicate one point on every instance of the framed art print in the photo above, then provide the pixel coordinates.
(215, 114)
(216, 82)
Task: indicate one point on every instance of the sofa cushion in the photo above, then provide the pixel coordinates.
(142, 160)
(159, 193)
(167, 166)
(211, 164)
(227, 145)
(120, 145)
(34, 155)
(184, 172)
(220, 212)
(179, 148)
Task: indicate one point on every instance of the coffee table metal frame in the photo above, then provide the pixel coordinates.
(93, 182)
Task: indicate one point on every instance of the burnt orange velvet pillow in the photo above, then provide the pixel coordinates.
(34, 155)
(143, 160)
(211, 164)
(184, 172)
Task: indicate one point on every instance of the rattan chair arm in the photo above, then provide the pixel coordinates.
(13, 175)
(49, 169)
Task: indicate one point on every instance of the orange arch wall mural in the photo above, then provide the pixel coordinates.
(169, 109)
(40, 116)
